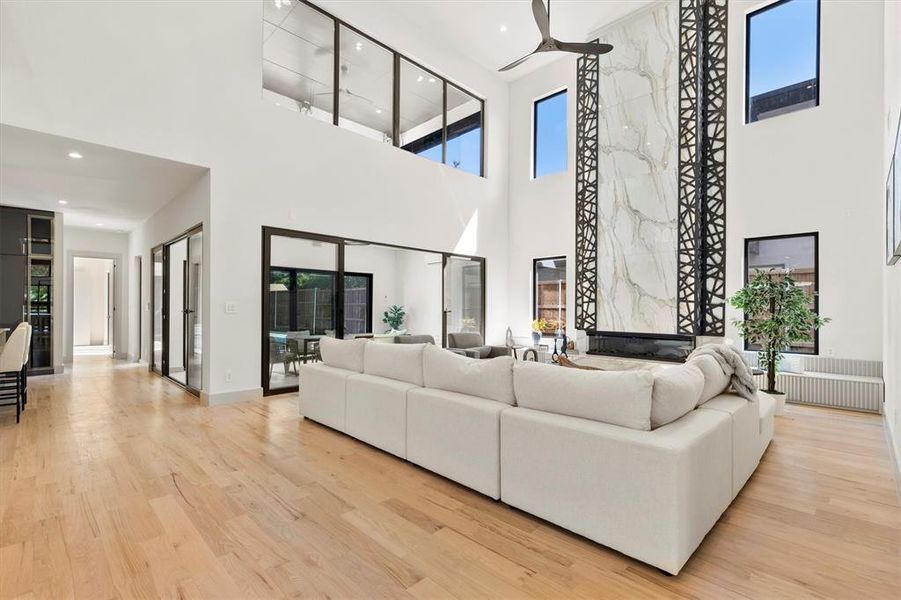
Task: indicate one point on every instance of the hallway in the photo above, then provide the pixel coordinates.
(118, 484)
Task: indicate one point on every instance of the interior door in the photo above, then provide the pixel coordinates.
(464, 295)
(111, 309)
(156, 305)
(193, 322)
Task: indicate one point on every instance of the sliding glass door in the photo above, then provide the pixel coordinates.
(316, 285)
(464, 295)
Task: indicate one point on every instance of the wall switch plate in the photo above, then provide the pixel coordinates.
(231, 308)
(228, 376)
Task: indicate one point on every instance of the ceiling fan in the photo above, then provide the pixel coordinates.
(549, 44)
(346, 91)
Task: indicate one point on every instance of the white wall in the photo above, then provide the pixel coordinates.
(891, 276)
(78, 241)
(542, 211)
(818, 169)
(161, 89)
(90, 301)
(185, 211)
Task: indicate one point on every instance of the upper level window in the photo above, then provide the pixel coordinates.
(549, 275)
(549, 135)
(781, 254)
(783, 59)
(318, 65)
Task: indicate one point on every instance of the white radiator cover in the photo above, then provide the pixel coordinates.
(835, 382)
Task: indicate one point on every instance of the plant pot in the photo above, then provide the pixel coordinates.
(536, 338)
(779, 397)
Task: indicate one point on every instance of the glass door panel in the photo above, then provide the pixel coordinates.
(176, 264)
(193, 312)
(156, 354)
(463, 296)
(302, 306)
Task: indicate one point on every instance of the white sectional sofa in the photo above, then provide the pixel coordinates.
(644, 463)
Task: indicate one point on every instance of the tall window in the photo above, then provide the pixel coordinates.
(549, 135)
(782, 59)
(782, 254)
(549, 299)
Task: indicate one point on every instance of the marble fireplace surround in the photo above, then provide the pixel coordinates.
(642, 215)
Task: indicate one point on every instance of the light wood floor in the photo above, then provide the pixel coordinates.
(117, 484)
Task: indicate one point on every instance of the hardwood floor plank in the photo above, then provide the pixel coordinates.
(117, 484)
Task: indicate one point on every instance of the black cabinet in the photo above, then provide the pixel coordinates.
(27, 278)
(13, 231)
(13, 278)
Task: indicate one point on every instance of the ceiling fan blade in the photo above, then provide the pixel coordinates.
(516, 63)
(584, 47)
(542, 19)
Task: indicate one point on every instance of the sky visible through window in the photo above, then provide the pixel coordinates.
(783, 46)
(464, 151)
(550, 135)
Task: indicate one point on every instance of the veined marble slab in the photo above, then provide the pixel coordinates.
(637, 174)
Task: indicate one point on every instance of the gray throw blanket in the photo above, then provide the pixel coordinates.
(734, 365)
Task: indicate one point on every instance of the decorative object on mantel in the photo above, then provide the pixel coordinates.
(560, 342)
(538, 326)
(777, 314)
(394, 317)
(508, 339)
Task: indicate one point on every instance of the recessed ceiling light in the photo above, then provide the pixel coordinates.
(378, 111)
(281, 3)
(75, 155)
(503, 28)
(99, 224)
(63, 201)
(420, 78)
(431, 80)
(358, 46)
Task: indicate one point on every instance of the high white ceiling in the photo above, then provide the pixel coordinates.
(472, 27)
(107, 189)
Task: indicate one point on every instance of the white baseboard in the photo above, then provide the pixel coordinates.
(219, 398)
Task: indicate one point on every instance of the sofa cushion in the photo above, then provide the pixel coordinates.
(402, 362)
(615, 397)
(715, 379)
(491, 379)
(676, 393)
(342, 354)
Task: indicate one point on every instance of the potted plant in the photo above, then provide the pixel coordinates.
(777, 315)
(394, 317)
(538, 327)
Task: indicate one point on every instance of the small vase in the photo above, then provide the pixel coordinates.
(536, 338)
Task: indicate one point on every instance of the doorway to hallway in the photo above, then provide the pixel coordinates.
(93, 306)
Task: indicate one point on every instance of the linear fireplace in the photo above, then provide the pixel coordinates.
(647, 346)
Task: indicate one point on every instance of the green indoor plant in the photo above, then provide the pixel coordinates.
(777, 315)
(394, 317)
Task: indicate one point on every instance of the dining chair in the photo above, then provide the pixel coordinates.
(12, 369)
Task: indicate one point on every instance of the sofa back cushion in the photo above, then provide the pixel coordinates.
(677, 391)
(716, 381)
(491, 378)
(616, 397)
(342, 354)
(402, 362)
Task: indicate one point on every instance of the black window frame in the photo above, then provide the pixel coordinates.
(340, 243)
(747, 90)
(395, 105)
(535, 263)
(292, 291)
(535, 104)
(816, 295)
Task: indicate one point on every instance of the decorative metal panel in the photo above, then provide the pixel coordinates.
(701, 302)
(586, 192)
